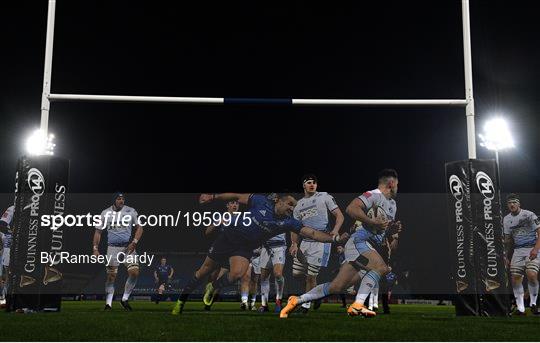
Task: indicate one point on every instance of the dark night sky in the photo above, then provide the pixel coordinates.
(372, 50)
(377, 49)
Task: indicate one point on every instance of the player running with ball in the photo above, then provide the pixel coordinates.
(359, 254)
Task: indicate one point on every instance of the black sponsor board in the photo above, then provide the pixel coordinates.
(40, 183)
(492, 277)
(461, 233)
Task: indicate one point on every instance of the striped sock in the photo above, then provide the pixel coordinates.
(316, 293)
(370, 281)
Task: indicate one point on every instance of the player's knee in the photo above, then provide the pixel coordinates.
(298, 270)
(278, 274)
(517, 278)
(311, 279)
(111, 273)
(532, 275)
(133, 271)
(313, 271)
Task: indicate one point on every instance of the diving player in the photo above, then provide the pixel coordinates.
(266, 218)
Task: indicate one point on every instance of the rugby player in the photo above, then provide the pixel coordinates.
(273, 254)
(312, 210)
(162, 275)
(5, 229)
(210, 294)
(521, 230)
(266, 218)
(359, 254)
(250, 281)
(119, 240)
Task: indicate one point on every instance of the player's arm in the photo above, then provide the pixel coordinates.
(136, 238)
(339, 220)
(156, 276)
(324, 237)
(210, 230)
(534, 251)
(171, 273)
(95, 241)
(356, 210)
(4, 227)
(242, 198)
(294, 243)
(393, 243)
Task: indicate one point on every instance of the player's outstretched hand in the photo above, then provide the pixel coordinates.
(206, 198)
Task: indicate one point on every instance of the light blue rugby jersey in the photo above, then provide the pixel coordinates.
(522, 227)
(118, 234)
(313, 211)
(371, 198)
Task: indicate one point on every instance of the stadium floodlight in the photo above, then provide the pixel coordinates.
(496, 135)
(39, 144)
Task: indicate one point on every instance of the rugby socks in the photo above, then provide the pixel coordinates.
(533, 291)
(319, 292)
(370, 281)
(130, 284)
(265, 291)
(374, 297)
(518, 294)
(109, 291)
(5, 289)
(253, 298)
(190, 287)
(244, 297)
(280, 285)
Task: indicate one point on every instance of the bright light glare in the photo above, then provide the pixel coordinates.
(496, 135)
(37, 144)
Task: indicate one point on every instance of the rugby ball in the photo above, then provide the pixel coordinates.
(376, 212)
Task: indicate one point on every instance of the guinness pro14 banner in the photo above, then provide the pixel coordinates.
(462, 238)
(489, 238)
(40, 189)
(477, 238)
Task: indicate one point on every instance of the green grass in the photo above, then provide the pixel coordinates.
(85, 321)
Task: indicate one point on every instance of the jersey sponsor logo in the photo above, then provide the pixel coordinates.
(367, 194)
(309, 212)
(263, 212)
